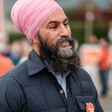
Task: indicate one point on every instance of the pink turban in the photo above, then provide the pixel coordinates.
(29, 15)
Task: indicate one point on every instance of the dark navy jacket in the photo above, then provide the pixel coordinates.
(30, 87)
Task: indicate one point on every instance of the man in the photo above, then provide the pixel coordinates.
(50, 80)
(104, 66)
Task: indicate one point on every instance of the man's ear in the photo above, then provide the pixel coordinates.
(35, 39)
(35, 44)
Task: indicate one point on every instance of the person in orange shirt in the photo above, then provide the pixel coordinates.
(5, 62)
(104, 66)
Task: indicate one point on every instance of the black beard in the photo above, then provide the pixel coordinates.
(51, 55)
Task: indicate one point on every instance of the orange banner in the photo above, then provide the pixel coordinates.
(91, 54)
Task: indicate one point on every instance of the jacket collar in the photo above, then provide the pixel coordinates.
(34, 63)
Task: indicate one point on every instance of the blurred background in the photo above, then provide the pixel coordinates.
(91, 25)
(86, 17)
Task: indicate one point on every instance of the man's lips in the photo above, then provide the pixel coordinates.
(66, 43)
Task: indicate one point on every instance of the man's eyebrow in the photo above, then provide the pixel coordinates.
(57, 21)
(66, 19)
(52, 22)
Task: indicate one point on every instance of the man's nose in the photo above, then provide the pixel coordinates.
(63, 31)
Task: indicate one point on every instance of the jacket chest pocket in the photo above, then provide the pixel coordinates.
(82, 102)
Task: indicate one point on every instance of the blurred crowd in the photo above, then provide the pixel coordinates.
(96, 59)
(12, 54)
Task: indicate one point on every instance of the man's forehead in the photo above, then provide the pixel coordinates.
(57, 21)
(57, 15)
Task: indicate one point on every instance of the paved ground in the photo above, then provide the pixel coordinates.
(106, 102)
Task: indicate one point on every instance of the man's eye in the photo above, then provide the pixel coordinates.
(53, 27)
(65, 24)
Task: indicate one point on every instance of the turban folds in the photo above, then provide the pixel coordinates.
(29, 15)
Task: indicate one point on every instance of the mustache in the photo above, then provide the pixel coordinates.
(63, 39)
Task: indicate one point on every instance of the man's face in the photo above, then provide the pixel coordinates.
(54, 28)
(56, 46)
